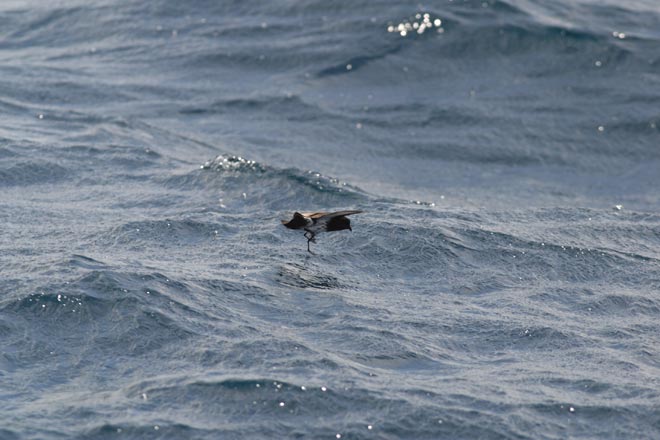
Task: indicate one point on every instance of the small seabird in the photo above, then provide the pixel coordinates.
(316, 222)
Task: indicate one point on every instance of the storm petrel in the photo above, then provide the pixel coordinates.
(317, 222)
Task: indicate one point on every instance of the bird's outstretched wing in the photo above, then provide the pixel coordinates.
(329, 215)
(314, 214)
(343, 213)
(298, 221)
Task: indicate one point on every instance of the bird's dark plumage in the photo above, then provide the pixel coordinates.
(297, 222)
(316, 222)
(338, 224)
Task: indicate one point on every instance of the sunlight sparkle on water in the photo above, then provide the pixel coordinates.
(419, 24)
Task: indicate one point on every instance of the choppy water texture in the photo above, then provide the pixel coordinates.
(503, 282)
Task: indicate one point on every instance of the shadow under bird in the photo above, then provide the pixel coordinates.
(316, 222)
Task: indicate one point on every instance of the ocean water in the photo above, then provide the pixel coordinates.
(502, 283)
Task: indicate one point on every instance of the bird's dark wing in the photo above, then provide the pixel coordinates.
(341, 213)
(298, 221)
(321, 214)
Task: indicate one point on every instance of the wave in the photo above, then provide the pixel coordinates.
(159, 428)
(32, 172)
(163, 233)
(106, 311)
(243, 182)
(251, 183)
(487, 30)
(8, 434)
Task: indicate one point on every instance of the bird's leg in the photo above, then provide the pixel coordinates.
(309, 235)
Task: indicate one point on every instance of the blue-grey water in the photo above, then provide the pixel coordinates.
(503, 282)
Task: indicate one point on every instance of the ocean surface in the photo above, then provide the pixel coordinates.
(502, 283)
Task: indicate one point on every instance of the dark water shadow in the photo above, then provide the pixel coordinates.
(307, 276)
